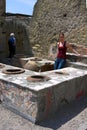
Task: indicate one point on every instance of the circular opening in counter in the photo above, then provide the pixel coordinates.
(1, 65)
(38, 78)
(13, 71)
(62, 73)
(35, 59)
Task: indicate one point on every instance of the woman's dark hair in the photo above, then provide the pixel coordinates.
(61, 33)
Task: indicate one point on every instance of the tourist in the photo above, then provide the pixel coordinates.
(12, 45)
(61, 53)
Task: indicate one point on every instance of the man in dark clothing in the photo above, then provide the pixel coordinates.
(12, 45)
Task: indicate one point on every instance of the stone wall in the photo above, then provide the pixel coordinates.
(52, 16)
(2, 7)
(49, 18)
(17, 25)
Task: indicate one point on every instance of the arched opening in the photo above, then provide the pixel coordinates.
(16, 21)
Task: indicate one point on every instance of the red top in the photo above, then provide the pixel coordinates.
(62, 51)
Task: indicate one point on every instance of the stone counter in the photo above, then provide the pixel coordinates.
(37, 101)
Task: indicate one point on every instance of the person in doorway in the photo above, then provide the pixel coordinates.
(12, 45)
(61, 53)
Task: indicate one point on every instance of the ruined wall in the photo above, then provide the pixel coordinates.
(52, 16)
(21, 30)
(49, 18)
(17, 24)
(2, 38)
(2, 7)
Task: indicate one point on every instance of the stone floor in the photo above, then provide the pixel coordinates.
(72, 117)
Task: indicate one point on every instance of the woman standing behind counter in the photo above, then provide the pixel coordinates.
(62, 46)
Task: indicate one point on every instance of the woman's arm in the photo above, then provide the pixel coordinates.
(71, 49)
